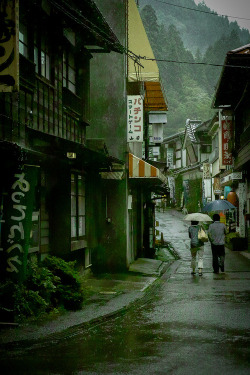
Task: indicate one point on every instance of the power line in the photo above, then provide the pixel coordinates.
(201, 11)
(97, 30)
(194, 63)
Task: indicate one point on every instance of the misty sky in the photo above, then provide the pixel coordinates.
(239, 8)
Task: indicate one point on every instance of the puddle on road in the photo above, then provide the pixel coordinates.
(127, 339)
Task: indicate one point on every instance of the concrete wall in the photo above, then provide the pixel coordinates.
(109, 122)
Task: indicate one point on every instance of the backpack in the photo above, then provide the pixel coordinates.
(193, 230)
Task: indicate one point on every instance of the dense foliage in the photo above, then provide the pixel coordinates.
(181, 35)
(179, 190)
(50, 284)
(193, 203)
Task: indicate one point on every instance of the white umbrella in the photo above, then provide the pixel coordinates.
(197, 216)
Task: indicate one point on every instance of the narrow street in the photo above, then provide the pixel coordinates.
(187, 324)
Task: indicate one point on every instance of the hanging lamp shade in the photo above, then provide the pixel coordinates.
(232, 198)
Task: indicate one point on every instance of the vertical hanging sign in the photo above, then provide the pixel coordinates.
(226, 140)
(134, 118)
(206, 171)
(170, 157)
(9, 51)
(16, 230)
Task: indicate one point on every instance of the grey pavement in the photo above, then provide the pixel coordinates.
(110, 294)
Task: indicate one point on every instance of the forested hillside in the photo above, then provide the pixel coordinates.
(182, 35)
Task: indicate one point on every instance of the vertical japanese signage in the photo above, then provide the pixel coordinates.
(226, 140)
(9, 52)
(186, 191)
(217, 186)
(242, 206)
(171, 184)
(135, 118)
(157, 133)
(206, 171)
(17, 223)
(170, 157)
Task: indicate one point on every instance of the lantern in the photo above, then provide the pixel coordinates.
(232, 198)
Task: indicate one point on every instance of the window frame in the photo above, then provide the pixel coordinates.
(23, 44)
(68, 69)
(42, 55)
(78, 211)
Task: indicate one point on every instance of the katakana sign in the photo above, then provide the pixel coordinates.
(227, 137)
(134, 118)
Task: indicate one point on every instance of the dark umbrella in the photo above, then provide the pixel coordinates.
(218, 205)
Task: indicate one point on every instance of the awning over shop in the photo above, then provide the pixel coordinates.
(148, 71)
(138, 44)
(143, 171)
(154, 97)
(233, 84)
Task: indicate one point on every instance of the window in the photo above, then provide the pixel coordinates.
(23, 40)
(42, 55)
(69, 71)
(77, 206)
(206, 149)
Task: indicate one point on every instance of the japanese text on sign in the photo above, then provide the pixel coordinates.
(206, 171)
(227, 136)
(170, 157)
(134, 118)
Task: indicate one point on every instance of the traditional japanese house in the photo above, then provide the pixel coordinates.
(51, 192)
(232, 100)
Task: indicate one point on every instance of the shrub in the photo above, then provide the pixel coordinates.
(7, 301)
(69, 291)
(41, 279)
(231, 235)
(50, 284)
(28, 302)
(195, 195)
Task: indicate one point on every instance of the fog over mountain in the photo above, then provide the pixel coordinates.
(182, 35)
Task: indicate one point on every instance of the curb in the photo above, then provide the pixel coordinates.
(165, 272)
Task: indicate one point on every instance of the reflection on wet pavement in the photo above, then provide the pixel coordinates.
(187, 324)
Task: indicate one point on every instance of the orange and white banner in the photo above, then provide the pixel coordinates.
(138, 168)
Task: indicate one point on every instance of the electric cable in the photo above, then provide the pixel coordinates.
(195, 63)
(201, 11)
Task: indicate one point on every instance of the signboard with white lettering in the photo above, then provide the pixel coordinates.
(134, 118)
(157, 133)
(206, 170)
(227, 137)
(170, 157)
(17, 223)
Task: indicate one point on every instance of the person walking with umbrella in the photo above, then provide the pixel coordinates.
(196, 245)
(216, 235)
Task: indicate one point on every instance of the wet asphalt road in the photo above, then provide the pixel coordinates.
(186, 325)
